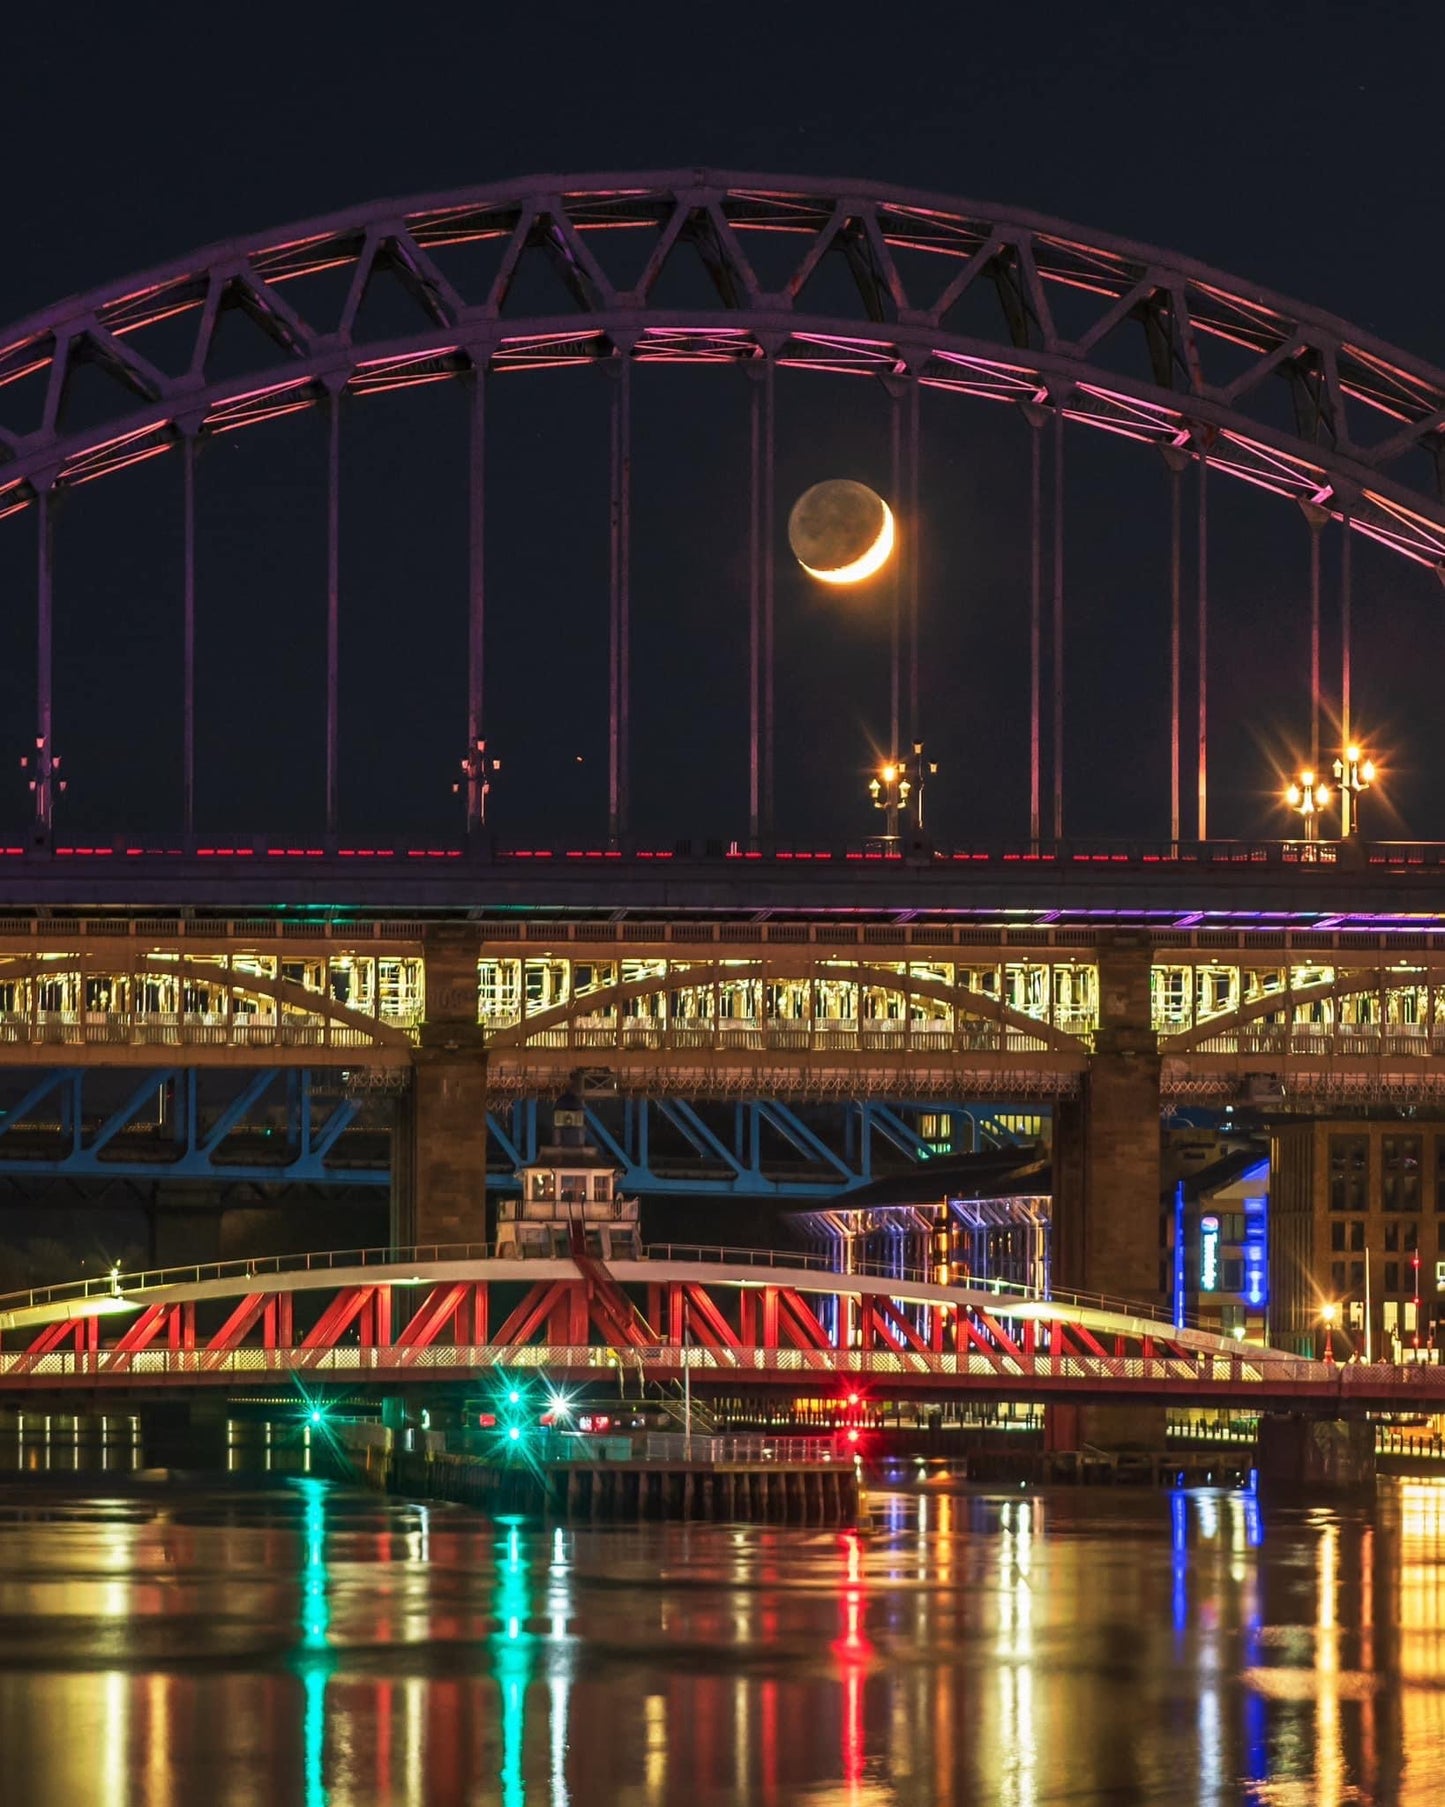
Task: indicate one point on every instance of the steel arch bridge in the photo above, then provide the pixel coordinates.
(1167, 352)
(734, 1320)
(926, 296)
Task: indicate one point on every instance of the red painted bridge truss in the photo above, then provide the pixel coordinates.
(728, 1326)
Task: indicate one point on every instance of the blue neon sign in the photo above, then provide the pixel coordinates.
(1208, 1254)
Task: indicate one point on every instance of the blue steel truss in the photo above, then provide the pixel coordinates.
(296, 1125)
(761, 1146)
(275, 1125)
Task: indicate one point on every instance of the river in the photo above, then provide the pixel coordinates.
(281, 1641)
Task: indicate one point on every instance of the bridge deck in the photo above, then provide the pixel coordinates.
(1236, 879)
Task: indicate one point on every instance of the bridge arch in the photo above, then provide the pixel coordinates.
(284, 993)
(1145, 366)
(1353, 983)
(700, 977)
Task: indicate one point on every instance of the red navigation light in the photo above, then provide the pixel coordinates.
(853, 1399)
(853, 1436)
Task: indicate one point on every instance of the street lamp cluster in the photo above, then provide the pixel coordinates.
(1310, 794)
(894, 783)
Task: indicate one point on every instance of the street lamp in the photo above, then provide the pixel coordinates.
(1355, 773)
(893, 784)
(1329, 1317)
(1307, 796)
(476, 780)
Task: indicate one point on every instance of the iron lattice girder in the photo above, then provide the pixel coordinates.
(1198, 346)
(727, 1300)
(750, 1319)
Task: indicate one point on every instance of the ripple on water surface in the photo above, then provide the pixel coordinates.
(303, 1642)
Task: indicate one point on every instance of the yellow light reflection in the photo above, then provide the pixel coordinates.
(1018, 1749)
(1421, 1621)
(654, 1718)
(1329, 1748)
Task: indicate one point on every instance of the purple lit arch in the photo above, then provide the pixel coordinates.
(1157, 348)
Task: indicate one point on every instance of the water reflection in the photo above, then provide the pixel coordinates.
(300, 1642)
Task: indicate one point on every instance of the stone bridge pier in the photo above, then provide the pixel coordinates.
(439, 1163)
(1106, 1176)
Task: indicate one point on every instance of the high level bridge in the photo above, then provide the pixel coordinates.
(1102, 980)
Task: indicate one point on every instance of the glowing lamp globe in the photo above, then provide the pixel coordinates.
(841, 532)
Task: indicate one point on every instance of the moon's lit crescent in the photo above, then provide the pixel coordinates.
(867, 563)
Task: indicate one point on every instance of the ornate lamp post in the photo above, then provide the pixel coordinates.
(1307, 796)
(476, 781)
(890, 788)
(1354, 773)
(893, 784)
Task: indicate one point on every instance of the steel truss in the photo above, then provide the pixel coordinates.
(274, 1125)
(291, 1125)
(726, 1318)
(1104, 331)
(763, 1146)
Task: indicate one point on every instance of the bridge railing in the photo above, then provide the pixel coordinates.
(117, 1285)
(242, 851)
(1006, 1292)
(122, 1286)
(352, 1361)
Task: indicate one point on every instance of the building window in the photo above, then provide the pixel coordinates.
(1440, 1173)
(1349, 1170)
(1357, 1276)
(1392, 1276)
(1412, 1237)
(1337, 1276)
(1400, 1161)
(1337, 1237)
(1232, 1273)
(1357, 1234)
(1392, 1237)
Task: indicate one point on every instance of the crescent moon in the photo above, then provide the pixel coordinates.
(866, 563)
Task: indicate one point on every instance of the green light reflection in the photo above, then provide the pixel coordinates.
(514, 1657)
(314, 1661)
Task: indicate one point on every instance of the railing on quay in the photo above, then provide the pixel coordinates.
(677, 1446)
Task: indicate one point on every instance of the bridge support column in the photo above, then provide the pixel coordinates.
(1106, 1144)
(1106, 1185)
(439, 1167)
(1316, 1456)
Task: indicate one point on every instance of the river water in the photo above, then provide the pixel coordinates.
(296, 1641)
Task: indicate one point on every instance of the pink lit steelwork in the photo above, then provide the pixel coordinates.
(1344, 383)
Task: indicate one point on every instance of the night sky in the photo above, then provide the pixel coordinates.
(1293, 145)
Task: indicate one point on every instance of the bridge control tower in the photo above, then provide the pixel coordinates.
(569, 1200)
